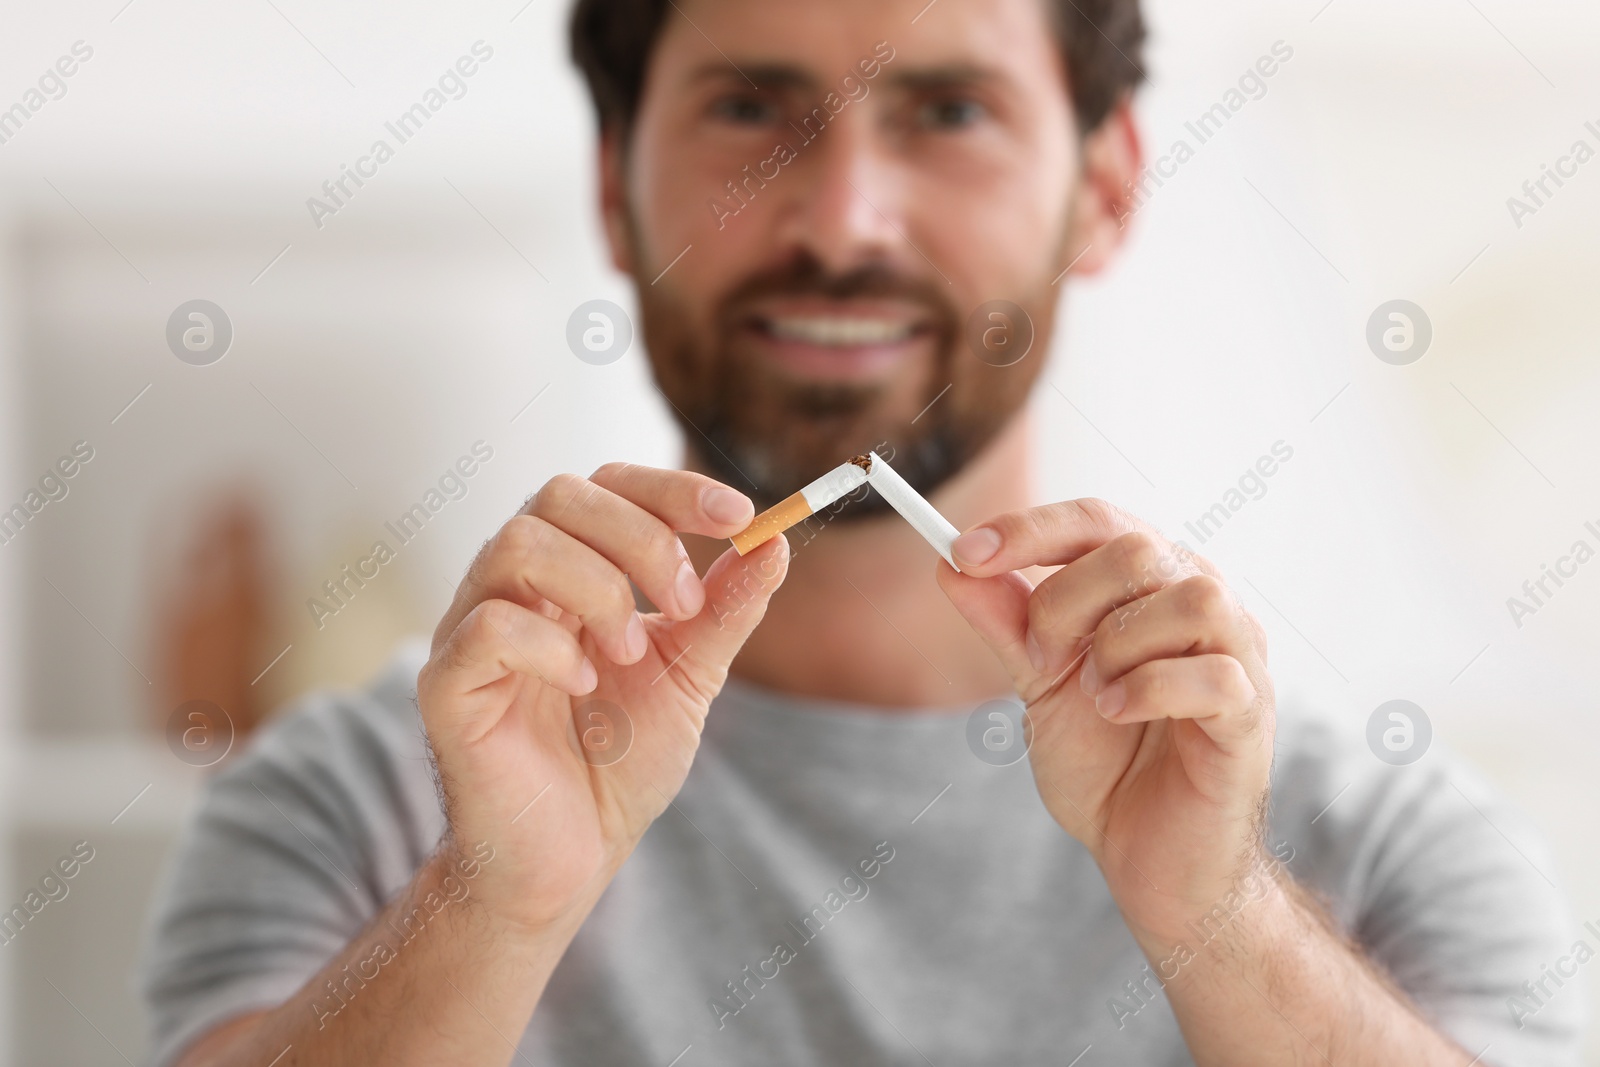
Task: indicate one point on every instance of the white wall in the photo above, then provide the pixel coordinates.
(178, 165)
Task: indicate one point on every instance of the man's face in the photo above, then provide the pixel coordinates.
(813, 204)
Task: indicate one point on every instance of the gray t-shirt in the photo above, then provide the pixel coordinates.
(841, 884)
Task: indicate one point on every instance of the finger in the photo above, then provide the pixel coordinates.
(996, 608)
(1052, 535)
(738, 589)
(685, 501)
(1213, 690)
(1069, 604)
(1197, 616)
(1047, 535)
(639, 544)
(642, 545)
(467, 683)
(531, 560)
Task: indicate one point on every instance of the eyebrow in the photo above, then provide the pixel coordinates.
(778, 75)
(945, 76)
(765, 75)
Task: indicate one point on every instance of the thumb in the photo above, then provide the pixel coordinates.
(738, 589)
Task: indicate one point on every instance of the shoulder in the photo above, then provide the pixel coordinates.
(350, 741)
(340, 782)
(298, 840)
(1442, 882)
(1361, 823)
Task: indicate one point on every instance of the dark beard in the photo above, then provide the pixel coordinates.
(769, 437)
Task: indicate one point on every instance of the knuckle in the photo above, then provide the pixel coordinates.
(1097, 512)
(1050, 609)
(1029, 527)
(1175, 563)
(1205, 600)
(610, 472)
(660, 543)
(1045, 603)
(494, 620)
(1152, 686)
(616, 597)
(1039, 618)
(560, 494)
(456, 653)
(451, 657)
(1136, 552)
(1229, 680)
(1050, 523)
(1109, 631)
(521, 538)
(621, 595)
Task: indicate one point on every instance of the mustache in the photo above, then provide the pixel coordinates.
(757, 459)
(805, 275)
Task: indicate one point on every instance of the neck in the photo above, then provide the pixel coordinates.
(860, 616)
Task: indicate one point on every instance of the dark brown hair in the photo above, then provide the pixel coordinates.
(1101, 43)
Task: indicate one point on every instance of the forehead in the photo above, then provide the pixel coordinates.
(821, 40)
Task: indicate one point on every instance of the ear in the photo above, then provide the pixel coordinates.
(614, 197)
(1113, 158)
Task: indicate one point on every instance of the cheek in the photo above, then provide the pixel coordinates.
(672, 190)
(675, 178)
(667, 201)
(997, 228)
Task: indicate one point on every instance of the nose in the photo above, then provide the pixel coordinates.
(846, 206)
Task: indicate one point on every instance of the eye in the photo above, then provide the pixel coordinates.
(743, 109)
(949, 113)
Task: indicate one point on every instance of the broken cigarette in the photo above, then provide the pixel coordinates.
(798, 507)
(871, 469)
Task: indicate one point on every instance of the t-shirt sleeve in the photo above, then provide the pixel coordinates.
(297, 843)
(1449, 889)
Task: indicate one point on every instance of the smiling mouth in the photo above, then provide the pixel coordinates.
(837, 331)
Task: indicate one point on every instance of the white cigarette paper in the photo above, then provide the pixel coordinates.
(913, 507)
(836, 485)
(798, 507)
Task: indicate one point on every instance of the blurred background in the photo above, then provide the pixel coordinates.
(427, 314)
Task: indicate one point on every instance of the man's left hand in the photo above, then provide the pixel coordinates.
(1148, 701)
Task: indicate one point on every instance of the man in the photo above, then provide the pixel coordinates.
(744, 823)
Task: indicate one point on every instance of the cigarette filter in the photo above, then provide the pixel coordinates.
(797, 507)
(913, 507)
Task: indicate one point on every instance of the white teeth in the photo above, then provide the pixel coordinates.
(836, 330)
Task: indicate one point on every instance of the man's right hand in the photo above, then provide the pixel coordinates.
(542, 647)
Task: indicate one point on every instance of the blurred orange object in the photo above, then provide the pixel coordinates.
(213, 624)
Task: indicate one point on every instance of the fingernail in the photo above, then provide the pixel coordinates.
(634, 640)
(1035, 653)
(1112, 700)
(588, 677)
(1089, 677)
(976, 547)
(726, 506)
(688, 591)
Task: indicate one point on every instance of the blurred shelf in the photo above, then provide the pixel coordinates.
(119, 782)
